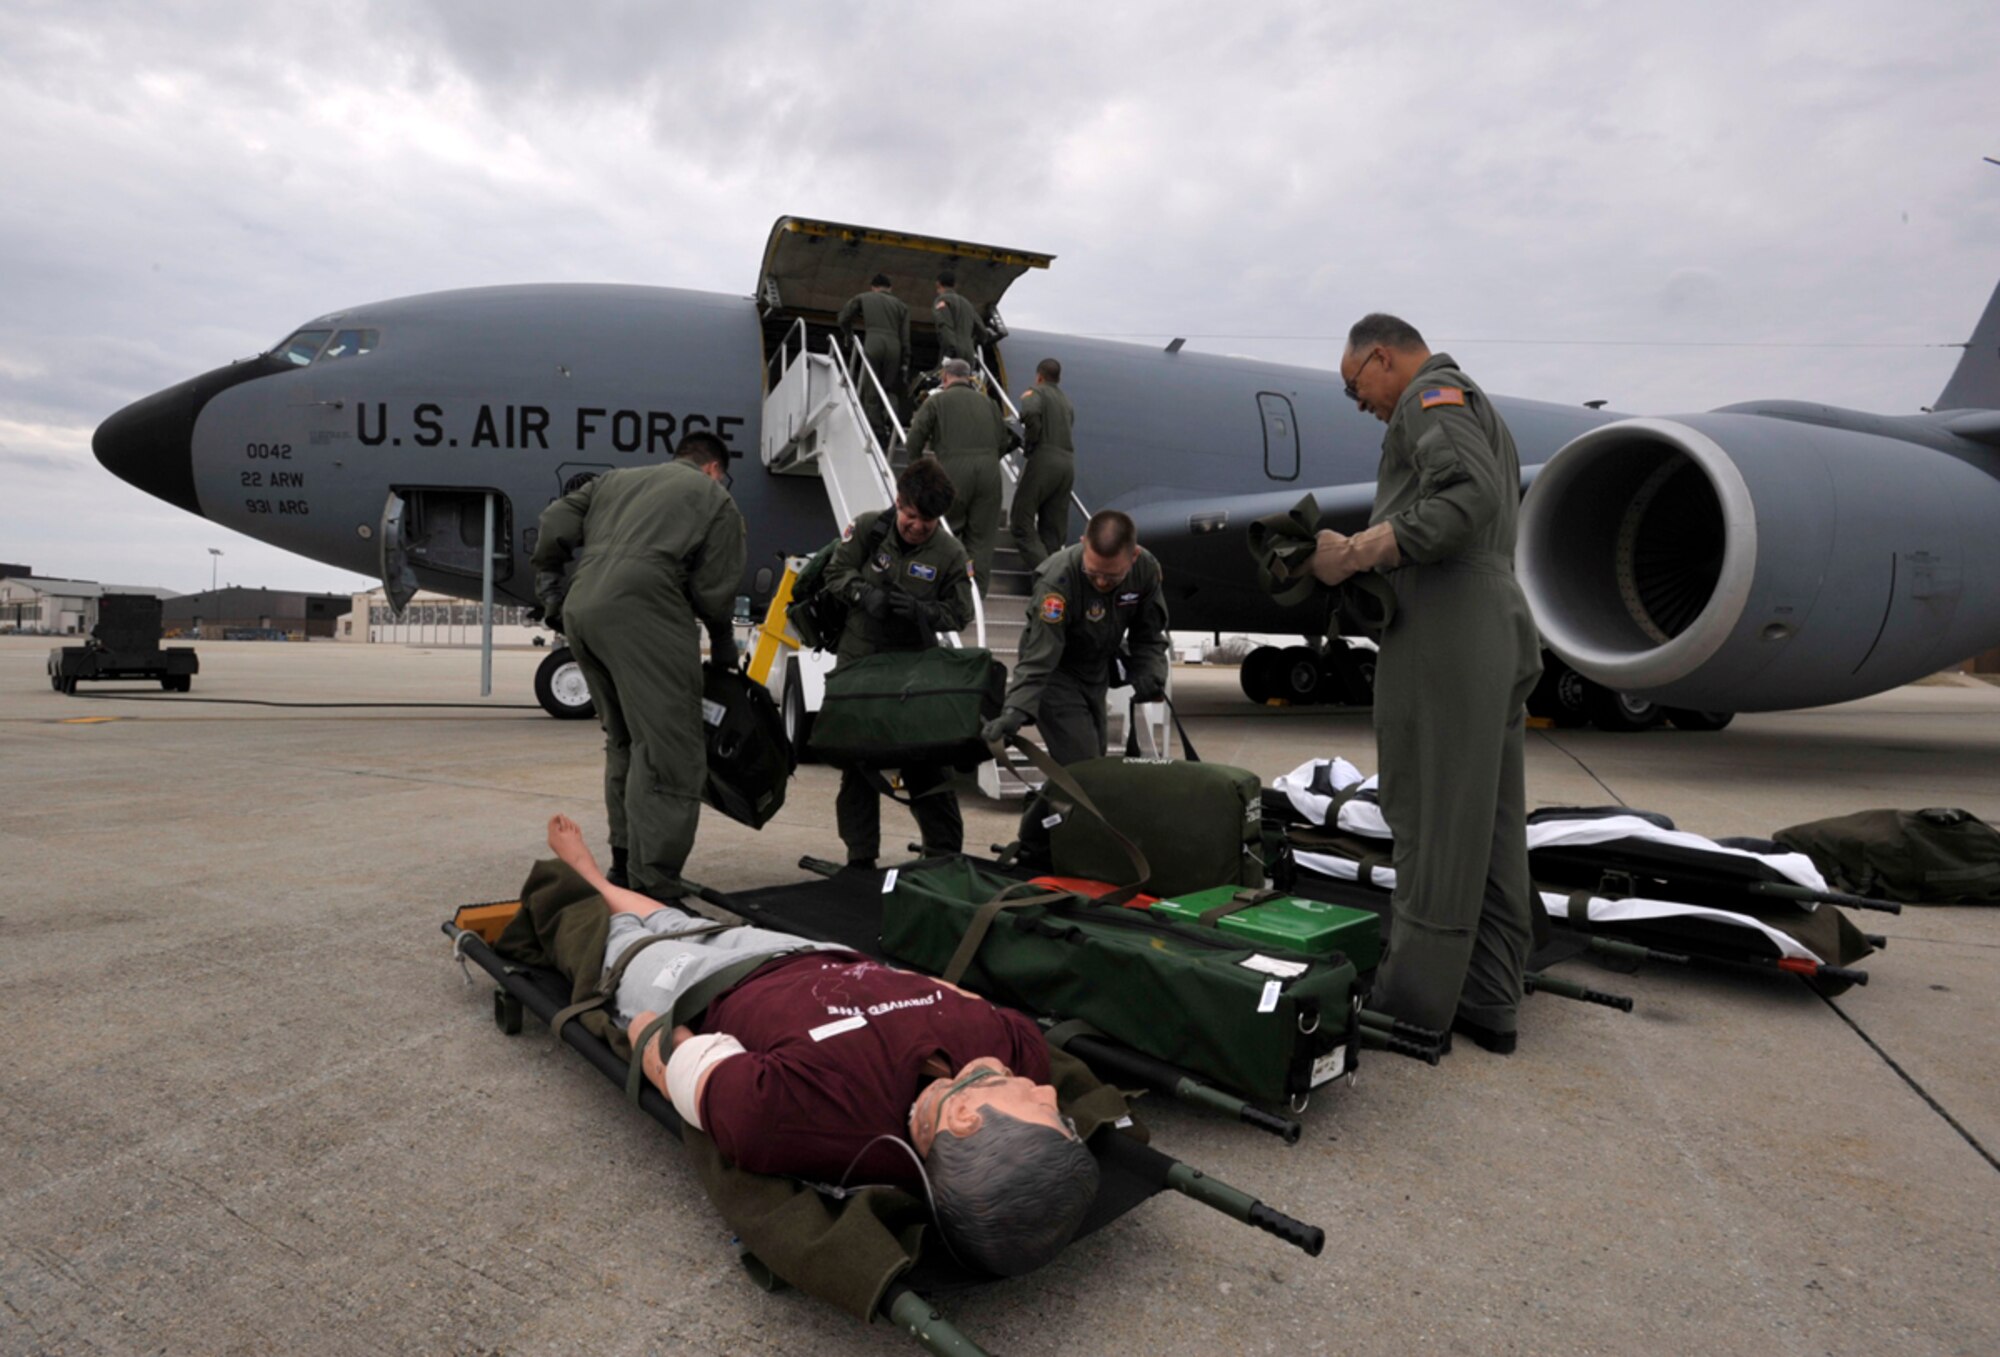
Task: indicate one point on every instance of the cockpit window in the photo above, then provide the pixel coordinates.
(349, 344)
(301, 347)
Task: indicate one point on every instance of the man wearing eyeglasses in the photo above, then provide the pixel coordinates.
(658, 547)
(1455, 669)
(813, 1061)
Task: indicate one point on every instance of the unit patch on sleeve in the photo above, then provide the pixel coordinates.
(919, 570)
(1440, 395)
(1052, 608)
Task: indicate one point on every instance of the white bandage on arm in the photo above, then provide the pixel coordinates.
(690, 1061)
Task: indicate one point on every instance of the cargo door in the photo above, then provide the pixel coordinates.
(1281, 436)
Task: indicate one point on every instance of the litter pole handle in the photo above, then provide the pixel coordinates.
(1540, 981)
(1309, 1239)
(819, 866)
(1424, 1036)
(1632, 951)
(920, 1319)
(1876, 940)
(1123, 1062)
(1286, 1129)
(1823, 971)
(1785, 890)
(1239, 1205)
(1376, 1039)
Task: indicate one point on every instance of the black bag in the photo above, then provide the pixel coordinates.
(1937, 856)
(749, 758)
(1269, 1023)
(904, 707)
(817, 617)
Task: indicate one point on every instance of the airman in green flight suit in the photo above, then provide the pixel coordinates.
(1040, 518)
(903, 582)
(963, 427)
(658, 548)
(1456, 666)
(1089, 599)
(885, 340)
(960, 331)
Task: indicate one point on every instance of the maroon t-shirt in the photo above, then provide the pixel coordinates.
(834, 1046)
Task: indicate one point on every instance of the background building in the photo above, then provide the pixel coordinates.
(435, 620)
(240, 613)
(52, 607)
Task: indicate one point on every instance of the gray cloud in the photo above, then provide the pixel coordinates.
(188, 182)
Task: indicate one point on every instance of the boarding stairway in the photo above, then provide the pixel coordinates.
(816, 423)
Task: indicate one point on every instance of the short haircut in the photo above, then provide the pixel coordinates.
(947, 277)
(1011, 1194)
(1050, 369)
(1379, 327)
(956, 367)
(926, 488)
(1111, 533)
(879, 280)
(702, 448)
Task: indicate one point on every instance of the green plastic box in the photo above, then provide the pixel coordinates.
(1298, 925)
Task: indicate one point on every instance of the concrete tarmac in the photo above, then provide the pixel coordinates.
(249, 1105)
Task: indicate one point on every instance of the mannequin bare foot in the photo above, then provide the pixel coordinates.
(566, 842)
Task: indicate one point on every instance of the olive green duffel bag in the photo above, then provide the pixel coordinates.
(1199, 825)
(1269, 1023)
(902, 707)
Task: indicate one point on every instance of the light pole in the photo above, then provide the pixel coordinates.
(213, 552)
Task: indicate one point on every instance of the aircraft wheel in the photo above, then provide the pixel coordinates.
(1561, 694)
(1621, 711)
(1299, 675)
(561, 689)
(1686, 718)
(1259, 674)
(798, 721)
(177, 683)
(1347, 676)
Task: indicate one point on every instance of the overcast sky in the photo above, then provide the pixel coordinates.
(1596, 203)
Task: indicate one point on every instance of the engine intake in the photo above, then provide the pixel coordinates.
(1737, 561)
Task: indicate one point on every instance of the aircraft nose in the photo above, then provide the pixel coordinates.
(150, 444)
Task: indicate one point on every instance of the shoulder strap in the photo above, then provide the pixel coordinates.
(1173, 712)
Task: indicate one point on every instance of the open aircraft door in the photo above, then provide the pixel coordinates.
(399, 581)
(812, 267)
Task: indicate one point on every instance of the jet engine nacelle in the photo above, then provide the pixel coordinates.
(1739, 562)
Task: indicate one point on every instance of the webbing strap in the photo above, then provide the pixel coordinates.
(1367, 864)
(1173, 712)
(635, 1075)
(1060, 775)
(1243, 899)
(1059, 1035)
(1579, 910)
(982, 920)
(607, 985)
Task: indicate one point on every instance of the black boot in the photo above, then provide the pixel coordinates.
(616, 876)
(1487, 1038)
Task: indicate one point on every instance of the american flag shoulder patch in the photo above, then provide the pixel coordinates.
(1440, 395)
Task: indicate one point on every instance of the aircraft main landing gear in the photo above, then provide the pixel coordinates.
(1301, 676)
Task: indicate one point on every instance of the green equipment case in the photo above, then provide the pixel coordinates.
(1198, 824)
(903, 707)
(1264, 1021)
(1274, 919)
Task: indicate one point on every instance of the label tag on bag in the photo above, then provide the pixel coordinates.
(1269, 1002)
(1270, 965)
(712, 712)
(889, 880)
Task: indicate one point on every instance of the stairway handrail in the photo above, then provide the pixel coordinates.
(880, 463)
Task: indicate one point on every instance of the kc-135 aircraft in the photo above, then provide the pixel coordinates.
(1765, 555)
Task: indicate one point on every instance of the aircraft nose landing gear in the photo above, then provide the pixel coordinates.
(560, 687)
